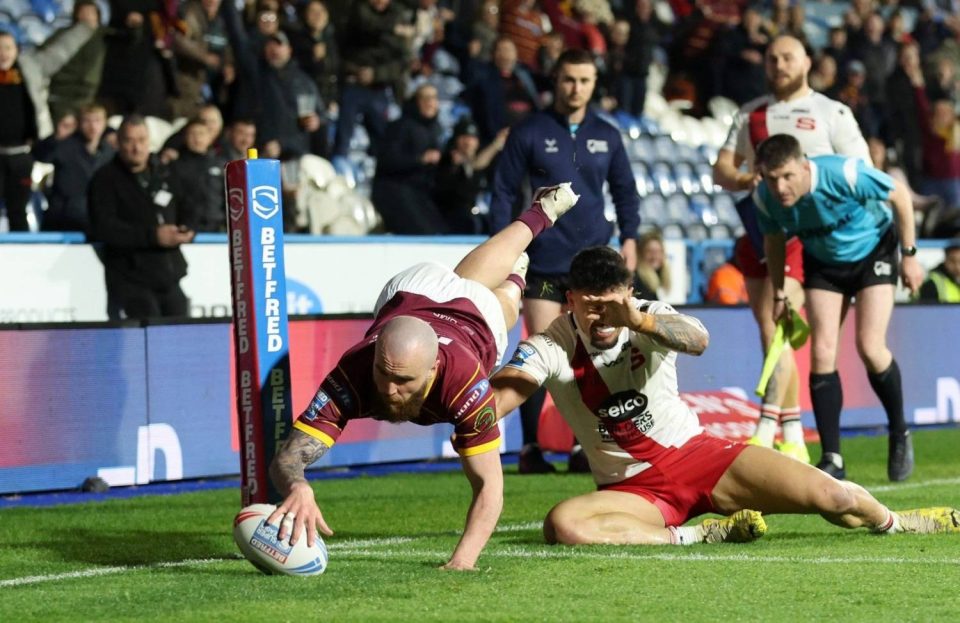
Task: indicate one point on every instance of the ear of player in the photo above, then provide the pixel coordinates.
(259, 544)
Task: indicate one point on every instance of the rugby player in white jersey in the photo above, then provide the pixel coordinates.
(610, 365)
(822, 126)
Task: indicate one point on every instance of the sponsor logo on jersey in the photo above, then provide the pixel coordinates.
(521, 354)
(637, 358)
(623, 406)
(445, 317)
(319, 401)
(596, 146)
(550, 146)
(806, 123)
(474, 394)
(341, 393)
(882, 269)
(486, 419)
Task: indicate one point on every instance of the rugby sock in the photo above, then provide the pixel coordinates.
(890, 526)
(684, 535)
(536, 219)
(517, 279)
(767, 425)
(530, 415)
(886, 385)
(826, 394)
(790, 422)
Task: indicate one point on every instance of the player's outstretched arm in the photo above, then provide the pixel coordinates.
(486, 478)
(511, 388)
(287, 473)
(678, 332)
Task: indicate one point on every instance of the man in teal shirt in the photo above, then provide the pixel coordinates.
(835, 205)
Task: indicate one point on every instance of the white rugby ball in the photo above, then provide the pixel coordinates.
(258, 542)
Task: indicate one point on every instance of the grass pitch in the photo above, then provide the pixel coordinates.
(172, 558)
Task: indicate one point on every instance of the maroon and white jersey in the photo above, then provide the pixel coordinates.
(822, 125)
(622, 403)
(460, 393)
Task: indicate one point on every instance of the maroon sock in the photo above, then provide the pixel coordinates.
(517, 279)
(536, 219)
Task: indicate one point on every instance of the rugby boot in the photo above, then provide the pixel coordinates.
(741, 527)
(937, 520)
(900, 456)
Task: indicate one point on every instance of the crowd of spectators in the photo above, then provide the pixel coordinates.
(297, 77)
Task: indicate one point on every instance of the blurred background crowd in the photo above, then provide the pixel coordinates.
(371, 104)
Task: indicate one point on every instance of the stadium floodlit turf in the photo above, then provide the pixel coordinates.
(172, 558)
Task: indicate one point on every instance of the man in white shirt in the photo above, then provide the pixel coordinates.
(610, 365)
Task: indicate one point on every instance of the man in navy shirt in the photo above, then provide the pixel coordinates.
(565, 142)
(835, 205)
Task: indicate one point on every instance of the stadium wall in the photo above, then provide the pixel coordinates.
(137, 404)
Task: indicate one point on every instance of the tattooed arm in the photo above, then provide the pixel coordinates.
(677, 332)
(299, 508)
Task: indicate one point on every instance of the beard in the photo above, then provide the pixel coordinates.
(791, 86)
(406, 411)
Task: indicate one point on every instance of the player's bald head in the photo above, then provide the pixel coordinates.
(787, 65)
(408, 342)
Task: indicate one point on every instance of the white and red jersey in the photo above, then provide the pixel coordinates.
(622, 403)
(822, 125)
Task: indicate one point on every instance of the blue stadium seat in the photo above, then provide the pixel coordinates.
(663, 178)
(678, 210)
(665, 148)
(649, 126)
(641, 149)
(14, 8)
(703, 208)
(713, 258)
(720, 232)
(705, 173)
(708, 153)
(696, 232)
(641, 173)
(672, 231)
(687, 181)
(653, 210)
(725, 209)
(35, 30)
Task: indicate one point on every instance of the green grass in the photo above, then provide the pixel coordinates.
(172, 558)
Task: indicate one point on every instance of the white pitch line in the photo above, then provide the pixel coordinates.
(91, 573)
(916, 485)
(579, 554)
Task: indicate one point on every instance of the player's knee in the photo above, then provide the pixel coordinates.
(561, 528)
(835, 499)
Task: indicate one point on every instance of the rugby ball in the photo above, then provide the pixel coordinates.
(259, 544)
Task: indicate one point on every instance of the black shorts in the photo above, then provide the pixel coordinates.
(881, 266)
(546, 287)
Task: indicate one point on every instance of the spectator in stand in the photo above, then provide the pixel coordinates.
(24, 81)
(136, 69)
(375, 60)
(652, 279)
(485, 31)
(76, 84)
(197, 61)
(502, 93)
(838, 49)
(743, 49)
(199, 174)
(904, 126)
(316, 49)
(550, 51)
(240, 136)
(266, 24)
(460, 177)
(578, 22)
(211, 117)
(929, 207)
(75, 159)
(141, 217)
(879, 57)
(940, 134)
(823, 76)
(945, 83)
(727, 285)
(646, 33)
(852, 92)
(611, 74)
(942, 285)
(407, 167)
(525, 24)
